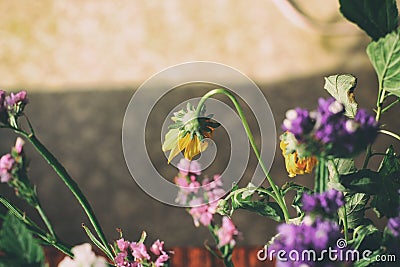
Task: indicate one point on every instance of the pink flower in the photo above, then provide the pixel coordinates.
(186, 166)
(209, 185)
(122, 244)
(158, 247)
(161, 259)
(6, 165)
(139, 251)
(227, 232)
(15, 99)
(6, 162)
(19, 144)
(201, 214)
(121, 260)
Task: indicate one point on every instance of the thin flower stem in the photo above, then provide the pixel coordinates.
(391, 105)
(71, 184)
(279, 197)
(45, 220)
(390, 134)
(379, 103)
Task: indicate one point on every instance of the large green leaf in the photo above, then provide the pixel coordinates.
(376, 17)
(355, 209)
(363, 181)
(385, 57)
(388, 197)
(341, 87)
(261, 206)
(17, 242)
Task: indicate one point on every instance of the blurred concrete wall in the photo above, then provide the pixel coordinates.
(56, 44)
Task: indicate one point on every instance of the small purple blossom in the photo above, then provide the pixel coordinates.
(394, 226)
(299, 122)
(327, 202)
(310, 235)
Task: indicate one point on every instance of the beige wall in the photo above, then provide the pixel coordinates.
(101, 44)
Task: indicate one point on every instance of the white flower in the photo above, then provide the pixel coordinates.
(83, 257)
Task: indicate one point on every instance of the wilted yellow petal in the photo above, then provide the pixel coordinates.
(171, 140)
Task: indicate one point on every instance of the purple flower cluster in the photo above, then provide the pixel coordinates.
(315, 236)
(12, 105)
(328, 131)
(299, 122)
(326, 203)
(134, 254)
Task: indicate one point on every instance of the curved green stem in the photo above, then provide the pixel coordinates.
(390, 134)
(72, 186)
(279, 197)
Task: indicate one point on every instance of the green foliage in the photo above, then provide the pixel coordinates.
(361, 233)
(299, 191)
(354, 209)
(388, 196)
(384, 55)
(382, 185)
(245, 199)
(376, 17)
(18, 244)
(341, 87)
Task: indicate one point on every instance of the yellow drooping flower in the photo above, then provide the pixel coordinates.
(294, 164)
(188, 134)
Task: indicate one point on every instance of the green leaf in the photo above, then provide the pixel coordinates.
(17, 242)
(338, 167)
(297, 204)
(376, 17)
(361, 233)
(355, 209)
(268, 209)
(363, 181)
(341, 87)
(384, 55)
(388, 196)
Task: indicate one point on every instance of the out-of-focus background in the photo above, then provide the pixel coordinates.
(81, 61)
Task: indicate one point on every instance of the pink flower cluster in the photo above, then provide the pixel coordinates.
(8, 162)
(134, 254)
(12, 104)
(203, 198)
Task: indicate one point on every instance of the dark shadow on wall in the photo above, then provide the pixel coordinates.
(83, 129)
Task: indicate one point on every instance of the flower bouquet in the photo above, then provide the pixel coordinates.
(321, 226)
